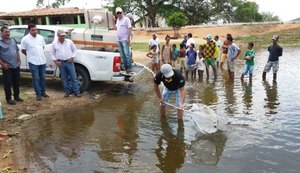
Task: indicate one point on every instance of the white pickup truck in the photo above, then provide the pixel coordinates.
(91, 65)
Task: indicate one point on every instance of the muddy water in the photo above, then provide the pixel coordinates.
(124, 132)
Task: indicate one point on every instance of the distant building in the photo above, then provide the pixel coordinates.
(46, 16)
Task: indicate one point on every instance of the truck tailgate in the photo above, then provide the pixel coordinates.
(137, 68)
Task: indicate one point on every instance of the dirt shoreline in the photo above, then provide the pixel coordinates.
(11, 125)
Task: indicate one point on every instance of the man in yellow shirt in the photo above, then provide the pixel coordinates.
(209, 51)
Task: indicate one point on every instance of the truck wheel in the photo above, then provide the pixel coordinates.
(83, 78)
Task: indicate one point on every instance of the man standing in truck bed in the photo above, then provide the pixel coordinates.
(123, 27)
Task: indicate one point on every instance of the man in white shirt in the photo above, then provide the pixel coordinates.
(32, 46)
(190, 41)
(155, 41)
(123, 28)
(62, 53)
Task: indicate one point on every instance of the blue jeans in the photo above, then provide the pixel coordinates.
(167, 93)
(125, 53)
(68, 76)
(38, 78)
(248, 69)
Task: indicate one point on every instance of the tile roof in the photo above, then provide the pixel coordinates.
(43, 12)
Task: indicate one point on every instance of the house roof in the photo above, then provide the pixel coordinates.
(43, 12)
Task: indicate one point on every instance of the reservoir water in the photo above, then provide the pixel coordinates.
(124, 132)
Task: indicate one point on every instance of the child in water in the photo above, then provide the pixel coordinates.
(153, 54)
(200, 63)
(175, 54)
(249, 64)
(191, 55)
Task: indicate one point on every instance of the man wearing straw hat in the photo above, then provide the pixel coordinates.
(173, 85)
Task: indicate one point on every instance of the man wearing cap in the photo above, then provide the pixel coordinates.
(273, 60)
(173, 85)
(123, 28)
(209, 51)
(33, 48)
(185, 38)
(62, 53)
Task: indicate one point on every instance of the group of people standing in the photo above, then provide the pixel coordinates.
(212, 53)
(192, 61)
(32, 46)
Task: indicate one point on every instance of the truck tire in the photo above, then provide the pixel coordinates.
(83, 78)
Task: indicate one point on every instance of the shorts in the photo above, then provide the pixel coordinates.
(223, 57)
(248, 69)
(177, 63)
(166, 96)
(155, 60)
(209, 61)
(182, 62)
(230, 66)
(200, 72)
(190, 67)
(272, 64)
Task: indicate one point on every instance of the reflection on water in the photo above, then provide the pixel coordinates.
(124, 132)
(171, 148)
(247, 97)
(208, 149)
(230, 99)
(271, 97)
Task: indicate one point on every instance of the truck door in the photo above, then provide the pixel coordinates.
(18, 34)
(49, 36)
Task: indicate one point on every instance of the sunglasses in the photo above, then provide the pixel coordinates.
(118, 12)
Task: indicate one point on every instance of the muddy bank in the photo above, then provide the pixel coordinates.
(15, 115)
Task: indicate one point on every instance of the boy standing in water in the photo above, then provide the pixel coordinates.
(182, 53)
(175, 54)
(191, 55)
(273, 61)
(249, 57)
(232, 54)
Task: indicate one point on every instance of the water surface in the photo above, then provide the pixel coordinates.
(124, 132)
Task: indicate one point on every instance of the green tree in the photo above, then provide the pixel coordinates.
(224, 9)
(247, 12)
(56, 4)
(145, 9)
(177, 20)
(197, 11)
(269, 17)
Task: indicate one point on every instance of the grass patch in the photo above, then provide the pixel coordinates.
(140, 46)
(288, 37)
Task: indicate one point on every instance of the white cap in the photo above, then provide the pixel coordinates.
(208, 37)
(275, 37)
(167, 70)
(118, 9)
(61, 32)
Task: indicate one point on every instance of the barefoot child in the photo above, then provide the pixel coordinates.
(249, 65)
(182, 53)
(166, 52)
(175, 54)
(200, 63)
(153, 54)
(191, 55)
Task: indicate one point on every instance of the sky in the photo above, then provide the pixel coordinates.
(286, 10)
